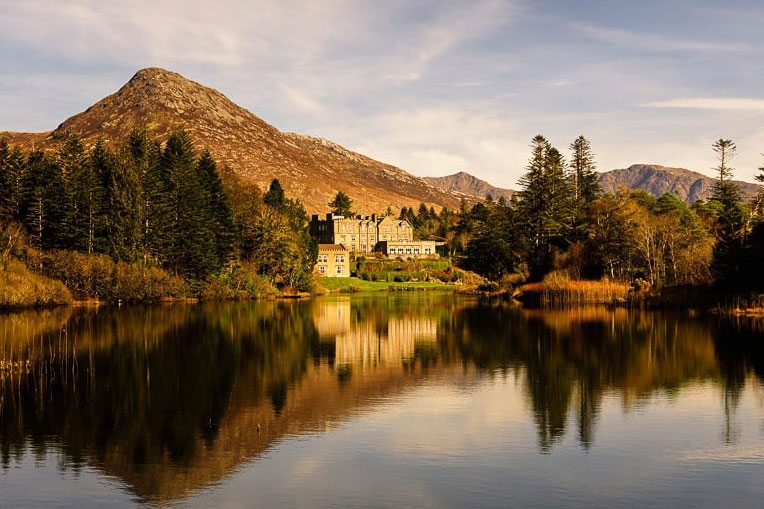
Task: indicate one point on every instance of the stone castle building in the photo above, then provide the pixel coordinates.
(369, 234)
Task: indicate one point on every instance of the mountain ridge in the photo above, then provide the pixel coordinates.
(689, 186)
(309, 168)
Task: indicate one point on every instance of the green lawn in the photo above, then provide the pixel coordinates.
(351, 284)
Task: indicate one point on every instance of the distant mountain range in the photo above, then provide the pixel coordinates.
(657, 180)
(311, 169)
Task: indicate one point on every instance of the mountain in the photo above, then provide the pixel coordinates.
(657, 180)
(311, 169)
(689, 186)
(469, 185)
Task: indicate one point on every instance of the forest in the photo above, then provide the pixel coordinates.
(143, 220)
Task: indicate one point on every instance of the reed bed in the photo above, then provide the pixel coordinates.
(557, 291)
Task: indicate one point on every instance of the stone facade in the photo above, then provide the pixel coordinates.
(360, 234)
(333, 260)
(413, 249)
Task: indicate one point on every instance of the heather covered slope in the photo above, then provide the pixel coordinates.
(311, 169)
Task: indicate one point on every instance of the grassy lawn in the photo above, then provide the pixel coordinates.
(351, 284)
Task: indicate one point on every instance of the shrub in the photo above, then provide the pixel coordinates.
(20, 287)
(99, 277)
(241, 282)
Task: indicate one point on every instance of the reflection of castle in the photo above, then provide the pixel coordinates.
(387, 340)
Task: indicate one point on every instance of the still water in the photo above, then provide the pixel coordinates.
(422, 399)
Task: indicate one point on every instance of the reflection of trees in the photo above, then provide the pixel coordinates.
(570, 359)
(169, 398)
(147, 385)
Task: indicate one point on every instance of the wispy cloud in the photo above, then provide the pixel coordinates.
(655, 42)
(711, 103)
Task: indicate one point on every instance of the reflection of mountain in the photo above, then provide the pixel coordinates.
(173, 399)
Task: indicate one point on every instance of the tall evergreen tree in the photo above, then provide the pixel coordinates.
(221, 219)
(727, 251)
(45, 202)
(585, 185)
(275, 196)
(12, 170)
(189, 247)
(341, 205)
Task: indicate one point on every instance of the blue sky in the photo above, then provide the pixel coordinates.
(433, 86)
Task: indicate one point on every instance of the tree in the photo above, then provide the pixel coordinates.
(544, 206)
(45, 202)
(275, 197)
(341, 205)
(222, 228)
(12, 176)
(727, 252)
(190, 247)
(87, 203)
(585, 186)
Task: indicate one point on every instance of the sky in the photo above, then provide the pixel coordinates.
(432, 86)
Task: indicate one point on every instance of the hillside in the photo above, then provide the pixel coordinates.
(311, 169)
(469, 185)
(657, 180)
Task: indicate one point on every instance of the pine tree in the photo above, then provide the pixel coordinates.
(221, 220)
(544, 206)
(189, 248)
(275, 197)
(45, 202)
(585, 186)
(727, 251)
(155, 211)
(12, 169)
(341, 205)
(532, 205)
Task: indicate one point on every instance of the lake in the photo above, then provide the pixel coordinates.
(397, 399)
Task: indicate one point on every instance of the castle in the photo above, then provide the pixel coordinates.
(372, 234)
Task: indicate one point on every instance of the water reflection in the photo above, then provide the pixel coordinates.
(172, 399)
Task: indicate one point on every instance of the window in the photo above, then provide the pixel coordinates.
(427, 250)
(322, 269)
(339, 258)
(372, 238)
(416, 250)
(339, 269)
(323, 258)
(408, 250)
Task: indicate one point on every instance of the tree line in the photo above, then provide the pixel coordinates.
(561, 221)
(159, 204)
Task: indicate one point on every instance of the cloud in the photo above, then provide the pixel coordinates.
(655, 42)
(711, 103)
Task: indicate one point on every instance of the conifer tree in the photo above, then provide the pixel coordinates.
(221, 226)
(189, 247)
(12, 169)
(585, 186)
(275, 197)
(155, 212)
(45, 202)
(341, 205)
(727, 250)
